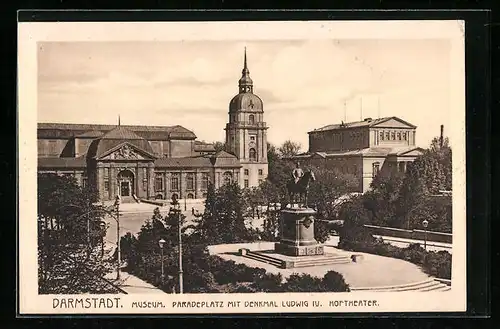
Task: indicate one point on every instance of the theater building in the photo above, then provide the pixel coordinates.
(157, 162)
(365, 148)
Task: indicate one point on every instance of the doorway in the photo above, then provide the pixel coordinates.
(125, 183)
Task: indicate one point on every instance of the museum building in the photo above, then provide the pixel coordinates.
(158, 162)
(363, 148)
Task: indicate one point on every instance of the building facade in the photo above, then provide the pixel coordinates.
(158, 162)
(365, 148)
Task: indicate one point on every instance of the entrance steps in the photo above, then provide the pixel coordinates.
(300, 261)
(430, 284)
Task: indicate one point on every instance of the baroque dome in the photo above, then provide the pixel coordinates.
(247, 102)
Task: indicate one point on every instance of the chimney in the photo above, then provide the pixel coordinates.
(441, 137)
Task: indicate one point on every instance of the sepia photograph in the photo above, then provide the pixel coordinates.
(177, 168)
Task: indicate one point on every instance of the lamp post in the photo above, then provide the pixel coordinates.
(103, 227)
(117, 205)
(425, 223)
(161, 243)
(176, 209)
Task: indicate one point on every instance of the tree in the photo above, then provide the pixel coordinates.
(69, 238)
(381, 201)
(327, 188)
(354, 217)
(223, 220)
(289, 148)
(219, 146)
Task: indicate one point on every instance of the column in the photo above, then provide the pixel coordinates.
(112, 182)
(100, 181)
(151, 177)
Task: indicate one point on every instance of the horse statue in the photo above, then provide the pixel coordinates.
(297, 191)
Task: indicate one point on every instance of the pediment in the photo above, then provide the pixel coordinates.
(127, 151)
(393, 122)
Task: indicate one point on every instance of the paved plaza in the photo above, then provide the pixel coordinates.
(372, 271)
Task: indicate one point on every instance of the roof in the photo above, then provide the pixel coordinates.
(121, 133)
(370, 151)
(68, 130)
(246, 101)
(357, 124)
(79, 162)
(189, 162)
(101, 146)
(91, 134)
(225, 159)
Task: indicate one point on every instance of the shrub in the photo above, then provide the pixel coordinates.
(303, 283)
(334, 281)
(268, 282)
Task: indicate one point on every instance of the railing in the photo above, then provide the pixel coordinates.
(410, 234)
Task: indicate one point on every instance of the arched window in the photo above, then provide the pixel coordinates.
(251, 119)
(190, 196)
(252, 154)
(227, 177)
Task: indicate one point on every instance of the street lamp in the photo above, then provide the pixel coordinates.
(176, 209)
(103, 228)
(161, 243)
(425, 223)
(117, 206)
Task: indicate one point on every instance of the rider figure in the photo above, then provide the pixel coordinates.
(297, 172)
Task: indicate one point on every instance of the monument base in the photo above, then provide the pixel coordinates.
(291, 250)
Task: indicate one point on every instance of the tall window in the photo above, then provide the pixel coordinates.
(246, 183)
(253, 154)
(227, 177)
(393, 135)
(246, 172)
(190, 181)
(376, 169)
(381, 135)
(204, 181)
(404, 135)
(399, 136)
(251, 118)
(106, 185)
(159, 183)
(261, 172)
(387, 137)
(174, 182)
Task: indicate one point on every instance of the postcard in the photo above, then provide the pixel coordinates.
(241, 167)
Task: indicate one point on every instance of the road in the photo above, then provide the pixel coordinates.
(402, 243)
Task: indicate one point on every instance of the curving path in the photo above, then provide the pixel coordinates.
(372, 271)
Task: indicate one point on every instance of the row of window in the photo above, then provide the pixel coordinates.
(246, 183)
(261, 172)
(175, 182)
(393, 135)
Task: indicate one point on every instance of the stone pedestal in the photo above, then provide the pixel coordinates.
(297, 233)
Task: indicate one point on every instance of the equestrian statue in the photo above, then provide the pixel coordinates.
(298, 185)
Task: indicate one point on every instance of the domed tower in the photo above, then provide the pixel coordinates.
(246, 135)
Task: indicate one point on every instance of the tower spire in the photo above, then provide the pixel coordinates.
(245, 83)
(245, 60)
(118, 120)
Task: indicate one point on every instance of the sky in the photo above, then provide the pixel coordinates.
(304, 84)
